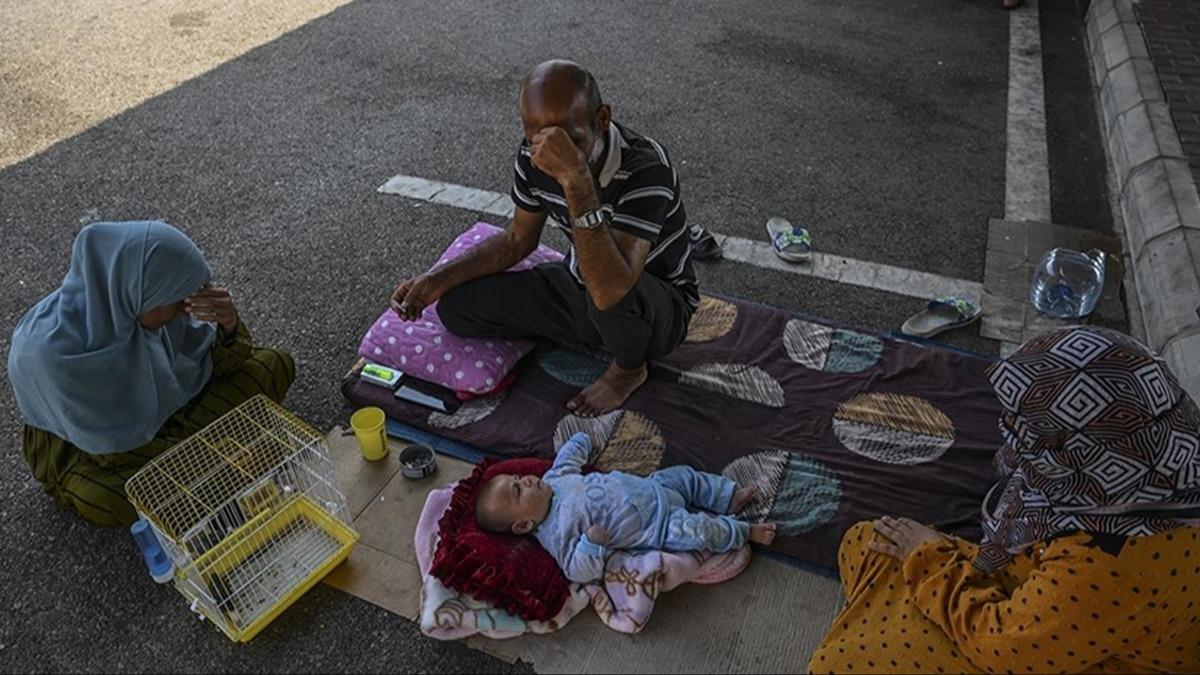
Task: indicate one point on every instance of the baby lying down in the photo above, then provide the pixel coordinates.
(580, 519)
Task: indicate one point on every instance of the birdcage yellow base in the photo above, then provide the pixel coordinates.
(259, 550)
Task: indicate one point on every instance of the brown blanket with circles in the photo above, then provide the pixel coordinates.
(834, 425)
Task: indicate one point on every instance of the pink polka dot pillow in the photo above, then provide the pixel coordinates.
(425, 349)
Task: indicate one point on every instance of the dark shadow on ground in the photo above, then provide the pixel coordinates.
(880, 125)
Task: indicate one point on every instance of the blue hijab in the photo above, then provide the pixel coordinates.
(84, 368)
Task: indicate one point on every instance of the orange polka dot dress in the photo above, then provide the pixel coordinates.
(1078, 604)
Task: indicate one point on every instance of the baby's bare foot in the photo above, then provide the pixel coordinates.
(742, 498)
(762, 533)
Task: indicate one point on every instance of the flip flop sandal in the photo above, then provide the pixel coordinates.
(791, 243)
(942, 314)
(704, 245)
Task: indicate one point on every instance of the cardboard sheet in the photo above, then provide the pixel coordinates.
(769, 619)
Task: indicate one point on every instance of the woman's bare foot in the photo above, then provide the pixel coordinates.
(762, 533)
(607, 393)
(742, 498)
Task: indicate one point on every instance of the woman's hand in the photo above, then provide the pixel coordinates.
(213, 303)
(904, 536)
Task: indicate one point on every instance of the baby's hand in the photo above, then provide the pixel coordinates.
(597, 535)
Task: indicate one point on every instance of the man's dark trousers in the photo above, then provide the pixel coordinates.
(546, 302)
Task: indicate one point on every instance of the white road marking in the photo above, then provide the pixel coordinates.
(1027, 164)
(862, 273)
(1027, 161)
(448, 194)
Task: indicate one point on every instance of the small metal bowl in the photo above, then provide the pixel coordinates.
(417, 462)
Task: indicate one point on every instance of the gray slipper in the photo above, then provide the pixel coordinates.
(941, 315)
(791, 243)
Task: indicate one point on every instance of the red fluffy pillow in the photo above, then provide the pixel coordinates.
(513, 573)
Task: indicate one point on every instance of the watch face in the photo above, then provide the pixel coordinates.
(588, 221)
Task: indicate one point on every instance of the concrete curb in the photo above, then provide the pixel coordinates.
(1155, 191)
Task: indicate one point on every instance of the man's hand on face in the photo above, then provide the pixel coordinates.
(554, 153)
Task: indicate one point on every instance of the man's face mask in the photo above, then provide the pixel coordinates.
(597, 151)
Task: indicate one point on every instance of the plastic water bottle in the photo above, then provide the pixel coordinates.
(157, 562)
(1066, 284)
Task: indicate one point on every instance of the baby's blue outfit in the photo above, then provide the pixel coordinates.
(640, 514)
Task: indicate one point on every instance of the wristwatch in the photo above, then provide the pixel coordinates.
(589, 221)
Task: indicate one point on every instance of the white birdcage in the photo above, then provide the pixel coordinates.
(249, 512)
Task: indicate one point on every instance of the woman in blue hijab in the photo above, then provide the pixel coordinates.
(136, 351)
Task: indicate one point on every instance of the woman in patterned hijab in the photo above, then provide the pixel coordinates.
(1099, 438)
(1091, 554)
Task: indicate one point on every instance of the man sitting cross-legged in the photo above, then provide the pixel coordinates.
(627, 285)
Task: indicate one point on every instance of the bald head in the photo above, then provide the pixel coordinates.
(560, 87)
(562, 94)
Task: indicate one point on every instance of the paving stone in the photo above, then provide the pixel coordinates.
(1146, 132)
(1006, 236)
(1132, 83)
(1103, 15)
(1014, 249)
(1003, 318)
(1146, 61)
(1150, 203)
(1168, 286)
(1183, 355)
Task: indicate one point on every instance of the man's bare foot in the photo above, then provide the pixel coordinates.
(607, 393)
(741, 498)
(762, 533)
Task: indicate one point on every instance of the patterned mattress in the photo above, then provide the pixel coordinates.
(835, 425)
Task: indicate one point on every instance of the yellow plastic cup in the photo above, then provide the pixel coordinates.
(369, 428)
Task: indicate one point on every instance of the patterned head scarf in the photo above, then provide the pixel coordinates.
(1098, 438)
(84, 368)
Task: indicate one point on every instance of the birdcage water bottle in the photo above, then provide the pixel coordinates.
(1067, 284)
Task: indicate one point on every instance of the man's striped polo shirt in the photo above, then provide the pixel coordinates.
(640, 192)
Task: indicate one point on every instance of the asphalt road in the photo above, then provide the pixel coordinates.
(879, 124)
